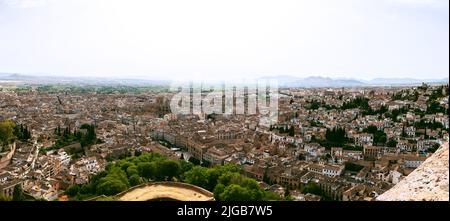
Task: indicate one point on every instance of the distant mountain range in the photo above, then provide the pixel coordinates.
(403, 81)
(289, 81)
(308, 82)
(283, 81)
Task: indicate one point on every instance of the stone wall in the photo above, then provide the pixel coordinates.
(429, 182)
(5, 158)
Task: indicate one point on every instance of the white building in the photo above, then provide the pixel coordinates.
(327, 170)
(63, 157)
(394, 176)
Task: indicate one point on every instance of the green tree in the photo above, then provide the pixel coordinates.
(185, 166)
(229, 178)
(213, 177)
(194, 161)
(205, 163)
(132, 170)
(22, 133)
(371, 129)
(169, 169)
(111, 186)
(218, 190)
(147, 170)
(266, 178)
(114, 182)
(125, 164)
(359, 102)
(291, 131)
(235, 192)
(6, 131)
(72, 190)
(135, 180)
(18, 193)
(392, 143)
(197, 176)
(256, 193)
(336, 136)
(312, 188)
(353, 167)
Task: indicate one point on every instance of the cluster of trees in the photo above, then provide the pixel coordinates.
(391, 143)
(406, 95)
(349, 166)
(439, 92)
(335, 137)
(430, 125)
(226, 181)
(435, 107)
(7, 132)
(283, 129)
(359, 102)
(290, 131)
(22, 133)
(18, 195)
(88, 138)
(419, 112)
(314, 105)
(131, 89)
(314, 188)
(379, 136)
(131, 171)
(396, 112)
(228, 184)
(369, 111)
(85, 135)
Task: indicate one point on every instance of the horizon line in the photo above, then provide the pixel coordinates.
(193, 75)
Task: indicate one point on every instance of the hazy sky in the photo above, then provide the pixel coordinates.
(226, 39)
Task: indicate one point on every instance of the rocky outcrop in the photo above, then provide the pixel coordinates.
(429, 182)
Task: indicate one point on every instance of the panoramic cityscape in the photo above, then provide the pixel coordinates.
(241, 101)
(71, 142)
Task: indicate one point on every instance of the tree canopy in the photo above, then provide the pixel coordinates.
(226, 182)
(6, 131)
